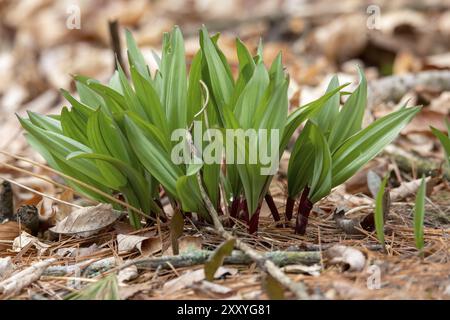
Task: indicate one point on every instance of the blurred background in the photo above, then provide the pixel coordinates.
(43, 42)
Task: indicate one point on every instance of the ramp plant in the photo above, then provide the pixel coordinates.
(121, 137)
(333, 146)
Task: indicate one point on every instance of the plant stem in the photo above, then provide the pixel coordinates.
(265, 264)
(290, 202)
(235, 207)
(304, 208)
(254, 221)
(272, 206)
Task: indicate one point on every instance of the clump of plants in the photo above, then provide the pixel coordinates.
(118, 138)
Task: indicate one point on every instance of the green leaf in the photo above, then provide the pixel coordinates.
(45, 122)
(189, 193)
(326, 118)
(104, 289)
(366, 144)
(349, 120)
(321, 178)
(250, 98)
(73, 126)
(216, 259)
(152, 156)
(310, 164)
(419, 214)
(301, 114)
(380, 208)
(108, 146)
(301, 162)
(221, 81)
(194, 94)
(135, 56)
(445, 141)
(173, 68)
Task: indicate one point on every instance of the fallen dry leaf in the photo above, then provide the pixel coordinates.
(9, 230)
(147, 246)
(190, 277)
(25, 239)
(88, 220)
(6, 266)
(350, 258)
(127, 274)
(189, 243)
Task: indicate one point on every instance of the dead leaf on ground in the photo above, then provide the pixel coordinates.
(9, 230)
(190, 277)
(189, 243)
(351, 259)
(78, 252)
(127, 274)
(313, 270)
(6, 267)
(212, 290)
(147, 246)
(88, 220)
(25, 239)
(423, 120)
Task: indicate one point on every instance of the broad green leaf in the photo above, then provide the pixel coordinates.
(153, 157)
(194, 93)
(349, 120)
(301, 114)
(135, 56)
(326, 118)
(73, 126)
(301, 162)
(174, 91)
(82, 108)
(189, 193)
(45, 122)
(105, 145)
(216, 259)
(366, 144)
(221, 82)
(150, 101)
(247, 103)
(321, 178)
(445, 141)
(65, 168)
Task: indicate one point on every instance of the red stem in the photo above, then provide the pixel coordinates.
(290, 202)
(304, 208)
(272, 207)
(254, 221)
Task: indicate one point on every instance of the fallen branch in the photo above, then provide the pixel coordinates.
(187, 259)
(408, 162)
(20, 280)
(393, 88)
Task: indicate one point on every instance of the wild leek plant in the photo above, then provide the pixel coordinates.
(332, 147)
(152, 135)
(444, 139)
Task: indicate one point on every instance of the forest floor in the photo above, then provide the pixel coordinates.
(38, 53)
